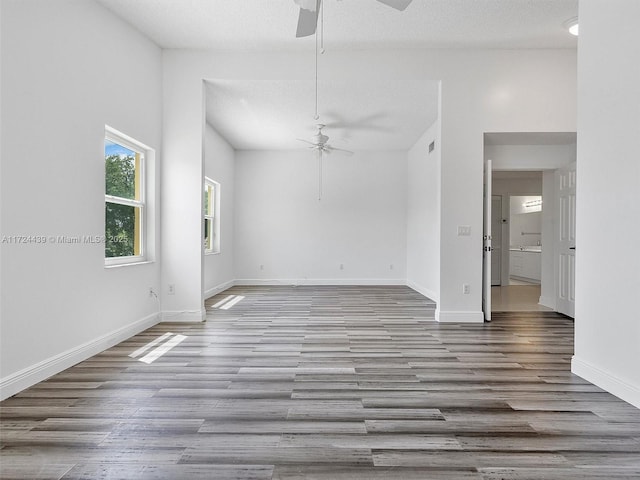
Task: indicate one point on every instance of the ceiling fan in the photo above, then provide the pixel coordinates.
(320, 145)
(309, 10)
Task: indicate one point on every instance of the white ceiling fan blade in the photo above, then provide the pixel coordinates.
(330, 149)
(397, 4)
(307, 21)
(306, 141)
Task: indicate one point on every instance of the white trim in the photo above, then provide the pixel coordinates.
(119, 138)
(116, 265)
(430, 294)
(607, 381)
(322, 281)
(549, 302)
(16, 382)
(184, 316)
(214, 216)
(124, 261)
(124, 201)
(116, 136)
(459, 316)
(210, 292)
(532, 281)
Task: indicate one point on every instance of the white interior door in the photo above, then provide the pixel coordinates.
(566, 258)
(496, 240)
(486, 248)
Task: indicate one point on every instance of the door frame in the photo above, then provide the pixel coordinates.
(486, 240)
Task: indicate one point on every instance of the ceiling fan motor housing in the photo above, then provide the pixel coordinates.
(320, 139)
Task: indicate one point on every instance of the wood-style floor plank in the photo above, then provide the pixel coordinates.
(326, 383)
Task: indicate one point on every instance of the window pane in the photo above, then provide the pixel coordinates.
(207, 202)
(123, 229)
(122, 171)
(208, 226)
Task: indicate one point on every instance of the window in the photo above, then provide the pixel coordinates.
(211, 216)
(124, 163)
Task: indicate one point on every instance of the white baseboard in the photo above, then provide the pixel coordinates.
(184, 316)
(533, 281)
(605, 380)
(459, 317)
(321, 281)
(548, 302)
(16, 382)
(218, 288)
(430, 294)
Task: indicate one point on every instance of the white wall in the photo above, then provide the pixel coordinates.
(529, 223)
(517, 186)
(360, 221)
(607, 338)
(62, 81)
(423, 215)
(219, 165)
(482, 91)
(528, 157)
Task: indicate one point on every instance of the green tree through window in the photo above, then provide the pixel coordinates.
(123, 200)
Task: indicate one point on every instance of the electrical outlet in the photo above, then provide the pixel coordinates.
(466, 288)
(172, 289)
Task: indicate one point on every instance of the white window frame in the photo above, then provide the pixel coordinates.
(213, 217)
(145, 152)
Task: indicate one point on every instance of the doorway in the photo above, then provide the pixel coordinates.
(517, 223)
(530, 165)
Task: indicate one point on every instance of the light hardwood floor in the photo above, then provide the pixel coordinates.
(327, 383)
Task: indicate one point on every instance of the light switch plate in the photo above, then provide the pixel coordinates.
(464, 230)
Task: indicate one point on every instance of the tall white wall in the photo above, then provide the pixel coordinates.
(607, 338)
(423, 214)
(360, 222)
(482, 91)
(62, 81)
(219, 165)
(495, 91)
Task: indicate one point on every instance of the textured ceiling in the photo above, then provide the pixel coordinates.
(271, 115)
(271, 24)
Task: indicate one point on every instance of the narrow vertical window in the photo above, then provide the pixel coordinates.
(124, 199)
(211, 216)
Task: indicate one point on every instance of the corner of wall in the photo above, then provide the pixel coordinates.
(218, 289)
(184, 316)
(606, 380)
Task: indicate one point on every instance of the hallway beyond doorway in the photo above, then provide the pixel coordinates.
(517, 298)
